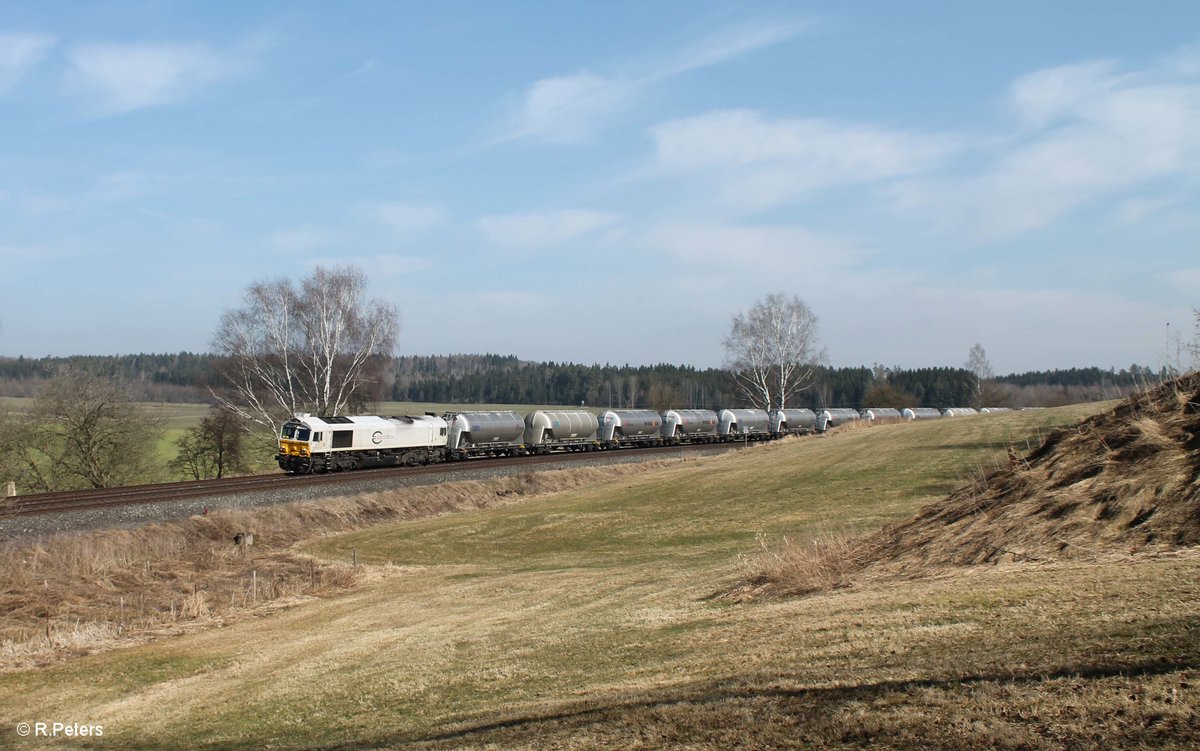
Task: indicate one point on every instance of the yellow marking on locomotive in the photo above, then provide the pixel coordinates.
(293, 448)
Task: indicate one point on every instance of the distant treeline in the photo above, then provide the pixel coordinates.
(504, 379)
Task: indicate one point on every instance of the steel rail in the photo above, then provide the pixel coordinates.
(76, 500)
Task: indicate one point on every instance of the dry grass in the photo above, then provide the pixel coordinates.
(71, 594)
(581, 619)
(823, 562)
(1121, 482)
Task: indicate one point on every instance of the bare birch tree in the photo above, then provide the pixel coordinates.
(1194, 347)
(772, 350)
(291, 349)
(981, 374)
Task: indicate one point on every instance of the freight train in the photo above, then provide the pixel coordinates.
(310, 444)
(329, 444)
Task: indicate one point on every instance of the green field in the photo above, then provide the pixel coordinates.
(587, 619)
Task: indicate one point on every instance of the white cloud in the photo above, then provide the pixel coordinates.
(1186, 62)
(1045, 95)
(19, 53)
(123, 77)
(536, 230)
(1089, 132)
(1186, 280)
(408, 217)
(380, 266)
(569, 108)
(565, 109)
(729, 44)
(760, 162)
(756, 251)
(303, 238)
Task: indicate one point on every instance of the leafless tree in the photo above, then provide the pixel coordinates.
(83, 431)
(1194, 347)
(981, 374)
(291, 349)
(214, 448)
(663, 396)
(772, 349)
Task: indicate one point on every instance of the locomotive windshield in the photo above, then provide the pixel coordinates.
(295, 432)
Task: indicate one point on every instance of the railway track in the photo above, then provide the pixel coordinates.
(47, 503)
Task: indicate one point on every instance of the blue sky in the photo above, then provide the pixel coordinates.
(609, 182)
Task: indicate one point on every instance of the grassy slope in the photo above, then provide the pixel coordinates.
(584, 617)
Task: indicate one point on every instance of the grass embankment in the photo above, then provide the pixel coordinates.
(586, 619)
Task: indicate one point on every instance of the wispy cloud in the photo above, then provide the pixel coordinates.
(569, 108)
(304, 238)
(536, 230)
(759, 162)
(565, 109)
(729, 44)
(1088, 132)
(408, 217)
(761, 251)
(1187, 280)
(19, 53)
(117, 78)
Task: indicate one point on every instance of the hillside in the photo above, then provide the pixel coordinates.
(583, 618)
(1120, 482)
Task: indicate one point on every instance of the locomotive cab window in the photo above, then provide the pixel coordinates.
(302, 434)
(316, 437)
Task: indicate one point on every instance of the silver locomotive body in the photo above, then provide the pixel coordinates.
(625, 427)
(792, 421)
(486, 434)
(560, 430)
(328, 444)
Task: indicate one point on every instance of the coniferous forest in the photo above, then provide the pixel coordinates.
(505, 379)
